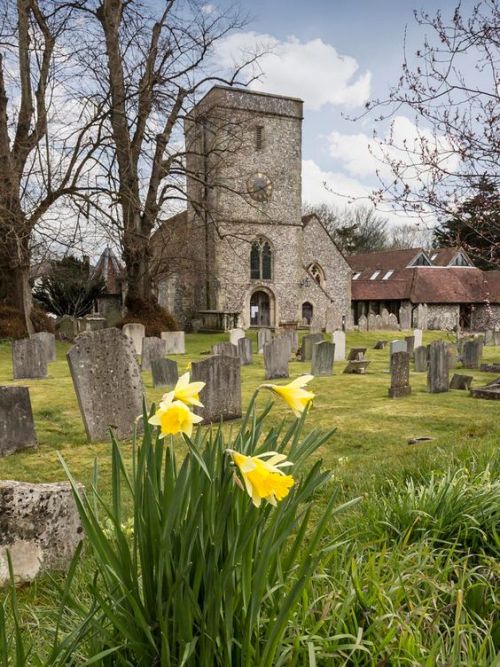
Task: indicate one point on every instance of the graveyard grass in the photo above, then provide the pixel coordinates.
(392, 592)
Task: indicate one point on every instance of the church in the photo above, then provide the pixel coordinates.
(242, 254)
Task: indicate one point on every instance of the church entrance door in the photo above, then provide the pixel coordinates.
(260, 310)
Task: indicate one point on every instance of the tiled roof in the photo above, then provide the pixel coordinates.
(382, 260)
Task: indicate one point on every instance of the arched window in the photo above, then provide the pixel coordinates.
(261, 260)
(317, 273)
(307, 312)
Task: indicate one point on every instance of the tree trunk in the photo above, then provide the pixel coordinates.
(137, 263)
(16, 290)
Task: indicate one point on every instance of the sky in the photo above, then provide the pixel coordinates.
(335, 55)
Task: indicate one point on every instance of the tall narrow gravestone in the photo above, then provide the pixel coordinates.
(400, 375)
(235, 335)
(245, 351)
(221, 395)
(293, 339)
(226, 350)
(276, 355)
(107, 382)
(307, 345)
(28, 359)
(421, 359)
(437, 373)
(17, 430)
(471, 353)
(152, 348)
(323, 355)
(417, 335)
(410, 344)
(164, 372)
(175, 341)
(263, 336)
(338, 340)
(48, 341)
(451, 351)
(136, 332)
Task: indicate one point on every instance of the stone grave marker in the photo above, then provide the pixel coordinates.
(67, 328)
(221, 395)
(393, 322)
(362, 323)
(418, 336)
(17, 429)
(164, 372)
(379, 345)
(437, 372)
(136, 332)
(308, 342)
(338, 340)
(410, 344)
(356, 354)
(226, 350)
(245, 350)
(421, 355)
(323, 355)
(461, 381)
(107, 381)
(452, 352)
(491, 391)
(235, 335)
(471, 353)
(357, 367)
(490, 368)
(152, 348)
(28, 359)
(40, 528)
(94, 323)
(398, 346)
(263, 336)
(276, 356)
(48, 341)
(400, 375)
(175, 342)
(489, 337)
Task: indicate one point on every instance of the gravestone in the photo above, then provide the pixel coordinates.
(107, 381)
(489, 337)
(400, 375)
(491, 391)
(136, 332)
(17, 429)
(164, 372)
(226, 350)
(356, 354)
(245, 351)
(221, 395)
(421, 356)
(67, 328)
(393, 322)
(338, 340)
(452, 356)
(276, 356)
(293, 339)
(418, 336)
(48, 341)
(152, 348)
(307, 345)
(322, 358)
(175, 342)
(235, 335)
(410, 344)
(263, 336)
(379, 345)
(357, 367)
(362, 323)
(437, 373)
(371, 324)
(94, 323)
(461, 381)
(28, 359)
(397, 346)
(40, 527)
(471, 353)
(490, 368)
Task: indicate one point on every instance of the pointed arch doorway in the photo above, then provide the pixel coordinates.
(261, 309)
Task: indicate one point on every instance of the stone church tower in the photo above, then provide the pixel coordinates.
(242, 250)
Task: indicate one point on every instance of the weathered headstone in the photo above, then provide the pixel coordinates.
(357, 367)
(152, 348)
(226, 350)
(17, 430)
(276, 356)
(293, 338)
(221, 395)
(307, 345)
(410, 344)
(417, 334)
(40, 527)
(338, 340)
(164, 372)
(393, 322)
(356, 354)
(322, 358)
(471, 353)
(67, 328)
(94, 323)
(107, 382)
(400, 375)
(235, 335)
(421, 355)
(136, 332)
(379, 345)
(490, 368)
(362, 323)
(175, 341)
(371, 324)
(398, 346)
(461, 381)
(28, 359)
(491, 391)
(263, 337)
(437, 373)
(48, 341)
(245, 350)
(452, 352)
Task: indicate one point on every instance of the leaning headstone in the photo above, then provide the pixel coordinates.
(471, 353)
(221, 395)
(307, 345)
(48, 341)
(379, 345)
(437, 373)
(452, 356)
(276, 355)
(175, 341)
(164, 372)
(152, 348)
(421, 355)
(417, 335)
(491, 391)
(356, 354)
(226, 350)
(400, 375)
(461, 381)
(410, 344)
(17, 429)
(28, 359)
(338, 340)
(245, 350)
(107, 381)
(398, 346)
(136, 332)
(235, 335)
(357, 367)
(322, 358)
(263, 337)
(40, 528)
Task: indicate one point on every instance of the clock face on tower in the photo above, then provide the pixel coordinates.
(260, 187)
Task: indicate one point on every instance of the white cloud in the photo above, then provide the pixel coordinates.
(208, 9)
(313, 70)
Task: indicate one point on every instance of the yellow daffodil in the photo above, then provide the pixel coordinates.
(185, 391)
(264, 479)
(293, 393)
(173, 418)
